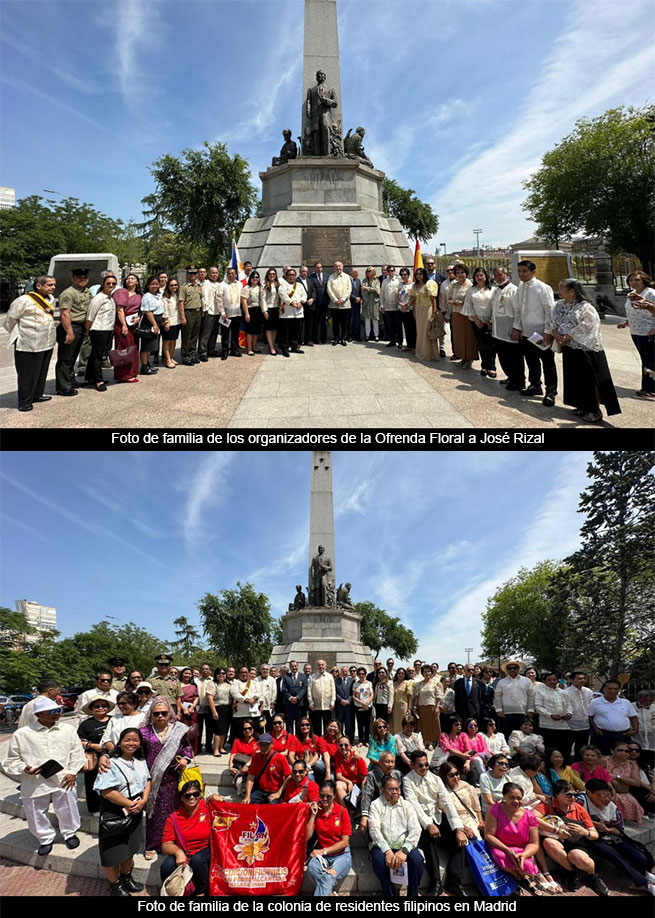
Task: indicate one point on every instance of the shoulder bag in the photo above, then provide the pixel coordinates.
(122, 356)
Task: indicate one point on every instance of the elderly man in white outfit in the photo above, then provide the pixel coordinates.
(31, 327)
(322, 697)
(339, 290)
(45, 743)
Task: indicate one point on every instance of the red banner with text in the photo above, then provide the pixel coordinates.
(257, 849)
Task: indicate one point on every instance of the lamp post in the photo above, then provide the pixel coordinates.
(477, 239)
(443, 245)
(468, 651)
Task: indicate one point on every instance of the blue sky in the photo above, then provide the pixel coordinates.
(460, 98)
(427, 536)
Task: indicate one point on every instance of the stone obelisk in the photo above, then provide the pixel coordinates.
(321, 513)
(321, 49)
(326, 630)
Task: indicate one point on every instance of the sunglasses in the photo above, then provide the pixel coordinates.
(160, 713)
(54, 711)
(453, 774)
(299, 771)
(422, 765)
(247, 729)
(278, 723)
(104, 680)
(144, 691)
(326, 796)
(569, 794)
(191, 796)
(503, 764)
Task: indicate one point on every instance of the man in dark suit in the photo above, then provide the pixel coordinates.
(321, 303)
(294, 691)
(468, 695)
(354, 330)
(309, 330)
(344, 704)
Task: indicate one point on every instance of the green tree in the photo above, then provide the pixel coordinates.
(417, 218)
(35, 230)
(188, 637)
(13, 628)
(521, 618)
(130, 248)
(379, 629)
(238, 624)
(610, 585)
(598, 180)
(169, 251)
(205, 196)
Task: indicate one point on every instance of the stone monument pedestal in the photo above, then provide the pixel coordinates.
(327, 209)
(322, 633)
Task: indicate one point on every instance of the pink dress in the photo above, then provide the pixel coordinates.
(516, 835)
(477, 744)
(629, 806)
(586, 774)
(459, 744)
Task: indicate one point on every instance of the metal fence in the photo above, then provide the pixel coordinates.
(583, 266)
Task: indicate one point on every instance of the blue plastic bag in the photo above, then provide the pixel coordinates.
(490, 879)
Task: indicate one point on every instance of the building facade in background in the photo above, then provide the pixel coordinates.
(42, 618)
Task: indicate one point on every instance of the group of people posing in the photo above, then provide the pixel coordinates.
(490, 318)
(538, 767)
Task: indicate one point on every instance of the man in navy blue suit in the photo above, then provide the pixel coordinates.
(321, 303)
(344, 704)
(468, 695)
(294, 690)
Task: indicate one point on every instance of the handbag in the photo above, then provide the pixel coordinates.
(122, 357)
(189, 887)
(144, 330)
(112, 823)
(489, 878)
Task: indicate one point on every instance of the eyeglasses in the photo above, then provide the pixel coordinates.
(160, 713)
(326, 796)
(191, 795)
(502, 764)
(103, 680)
(421, 764)
(144, 691)
(299, 771)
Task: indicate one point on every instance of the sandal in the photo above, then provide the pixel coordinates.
(535, 889)
(150, 855)
(492, 374)
(483, 372)
(553, 885)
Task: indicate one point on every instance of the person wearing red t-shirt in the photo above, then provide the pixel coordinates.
(266, 774)
(185, 839)
(570, 848)
(283, 742)
(304, 746)
(327, 747)
(241, 754)
(330, 860)
(350, 769)
(298, 788)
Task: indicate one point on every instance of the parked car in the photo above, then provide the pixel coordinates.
(69, 699)
(11, 705)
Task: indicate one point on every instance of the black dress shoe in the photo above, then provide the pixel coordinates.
(224, 355)
(532, 390)
(146, 371)
(235, 353)
(285, 351)
(204, 360)
(296, 350)
(43, 398)
(67, 392)
(442, 353)
(344, 343)
(72, 842)
(548, 401)
(117, 889)
(334, 343)
(130, 884)
(44, 850)
(456, 889)
(25, 408)
(195, 360)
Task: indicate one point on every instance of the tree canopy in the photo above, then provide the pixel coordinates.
(36, 229)
(379, 629)
(238, 624)
(417, 218)
(598, 180)
(520, 619)
(204, 195)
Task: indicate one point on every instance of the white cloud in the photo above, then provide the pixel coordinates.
(593, 65)
(552, 531)
(138, 26)
(204, 493)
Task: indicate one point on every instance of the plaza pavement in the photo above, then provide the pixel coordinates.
(358, 386)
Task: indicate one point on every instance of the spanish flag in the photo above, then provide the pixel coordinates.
(418, 258)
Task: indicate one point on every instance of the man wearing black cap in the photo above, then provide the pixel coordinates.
(117, 666)
(73, 306)
(165, 684)
(190, 303)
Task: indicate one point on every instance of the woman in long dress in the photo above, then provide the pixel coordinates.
(587, 377)
(402, 699)
(128, 302)
(427, 701)
(167, 753)
(423, 297)
(371, 304)
(465, 348)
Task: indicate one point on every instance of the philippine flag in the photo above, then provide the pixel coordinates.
(236, 262)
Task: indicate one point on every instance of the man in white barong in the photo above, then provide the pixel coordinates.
(46, 742)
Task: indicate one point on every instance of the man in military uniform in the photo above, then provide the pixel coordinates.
(165, 684)
(73, 306)
(117, 666)
(190, 302)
